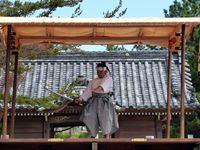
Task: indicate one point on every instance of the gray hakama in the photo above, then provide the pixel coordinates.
(100, 112)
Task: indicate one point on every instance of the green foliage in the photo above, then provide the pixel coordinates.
(35, 52)
(69, 89)
(192, 57)
(184, 8)
(70, 132)
(198, 96)
(68, 48)
(113, 13)
(146, 47)
(28, 8)
(64, 135)
(189, 8)
(21, 68)
(47, 102)
(77, 12)
(73, 132)
(192, 126)
(174, 128)
(115, 48)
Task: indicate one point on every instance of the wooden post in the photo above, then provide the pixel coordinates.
(6, 91)
(12, 126)
(182, 111)
(94, 146)
(169, 94)
(52, 133)
(46, 127)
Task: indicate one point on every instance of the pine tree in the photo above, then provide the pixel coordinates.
(28, 8)
(189, 8)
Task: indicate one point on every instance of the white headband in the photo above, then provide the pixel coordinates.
(101, 68)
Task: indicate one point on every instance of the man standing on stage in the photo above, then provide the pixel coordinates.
(99, 111)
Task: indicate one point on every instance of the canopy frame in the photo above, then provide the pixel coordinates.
(98, 31)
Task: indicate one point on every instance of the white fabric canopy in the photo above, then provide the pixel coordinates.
(90, 31)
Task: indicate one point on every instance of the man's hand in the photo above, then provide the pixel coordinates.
(77, 100)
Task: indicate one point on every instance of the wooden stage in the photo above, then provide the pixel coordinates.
(100, 144)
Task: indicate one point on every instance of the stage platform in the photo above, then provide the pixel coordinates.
(100, 144)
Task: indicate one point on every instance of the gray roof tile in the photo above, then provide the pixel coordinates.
(140, 78)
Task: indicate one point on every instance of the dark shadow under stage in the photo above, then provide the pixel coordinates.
(100, 144)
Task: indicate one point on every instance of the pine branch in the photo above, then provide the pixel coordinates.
(77, 12)
(28, 8)
(113, 13)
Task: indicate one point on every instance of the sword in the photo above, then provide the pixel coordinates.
(62, 96)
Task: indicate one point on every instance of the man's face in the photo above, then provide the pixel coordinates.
(101, 73)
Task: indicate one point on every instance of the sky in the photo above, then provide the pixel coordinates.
(136, 8)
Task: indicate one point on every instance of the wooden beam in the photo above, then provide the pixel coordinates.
(100, 25)
(169, 93)
(94, 146)
(86, 38)
(6, 91)
(90, 40)
(182, 111)
(12, 125)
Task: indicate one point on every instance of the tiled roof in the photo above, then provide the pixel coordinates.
(140, 78)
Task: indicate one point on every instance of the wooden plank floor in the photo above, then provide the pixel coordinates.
(99, 144)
